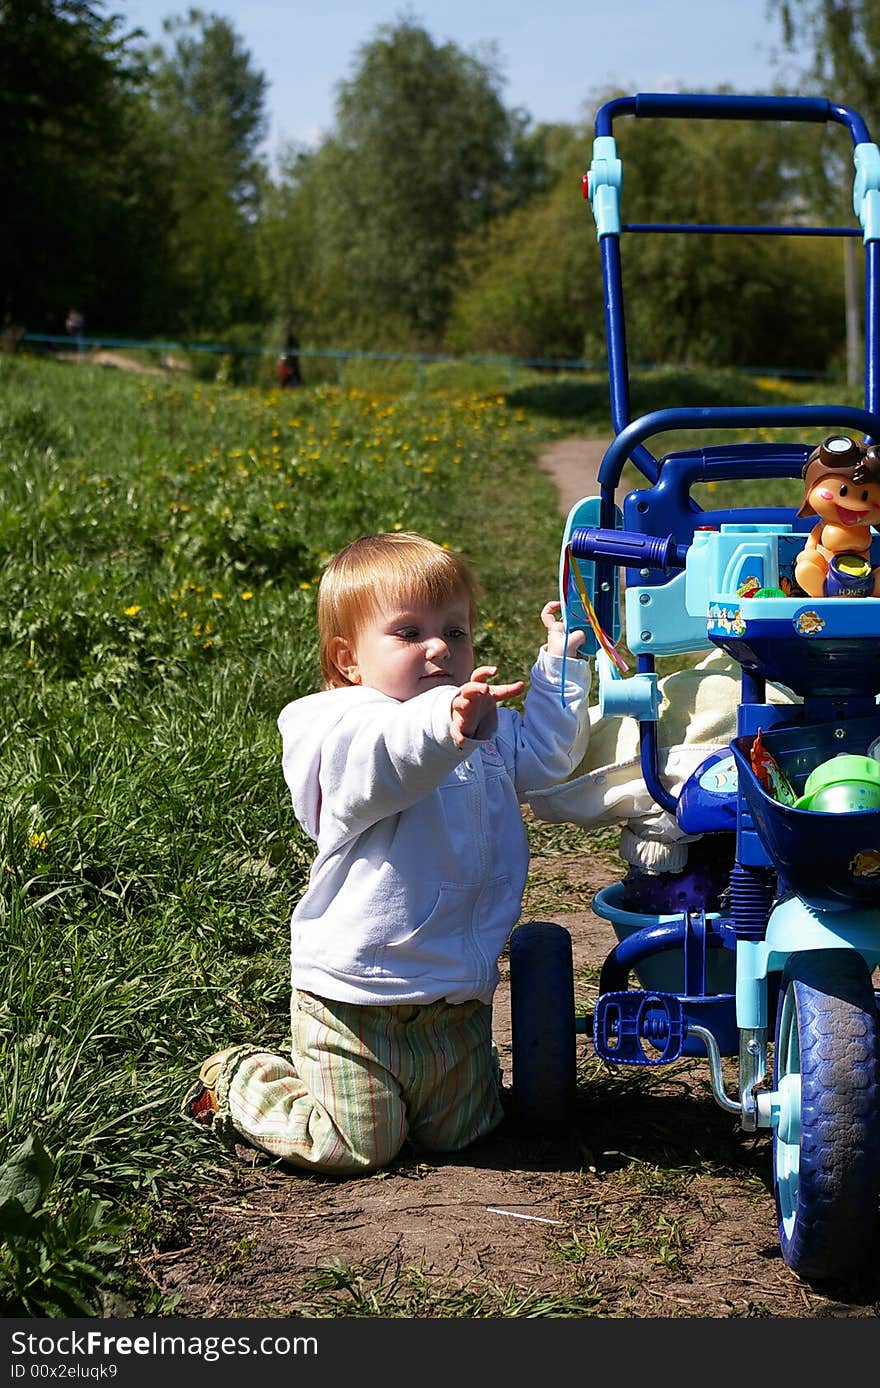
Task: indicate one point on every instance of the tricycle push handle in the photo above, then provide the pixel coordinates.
(731, 107)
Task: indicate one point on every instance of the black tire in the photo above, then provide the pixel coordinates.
(826, 1147)
(542, 1024)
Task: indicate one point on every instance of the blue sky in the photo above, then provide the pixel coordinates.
(556, 55)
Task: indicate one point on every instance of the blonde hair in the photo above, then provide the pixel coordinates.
(376, 569)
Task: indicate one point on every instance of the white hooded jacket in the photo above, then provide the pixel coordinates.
(422, 853)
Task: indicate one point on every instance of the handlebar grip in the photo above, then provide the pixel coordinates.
(628, 549)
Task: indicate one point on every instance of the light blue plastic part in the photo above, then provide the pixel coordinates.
(795, 926)
(866, 189)
(637, 695)
(670, 618)
(658, 622)
(585, 514)
(605, 184)
(723, 562)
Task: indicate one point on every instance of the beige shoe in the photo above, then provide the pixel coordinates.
(200, 1103)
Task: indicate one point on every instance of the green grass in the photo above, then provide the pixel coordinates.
(161, 546)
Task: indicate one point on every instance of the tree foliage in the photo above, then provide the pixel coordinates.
(533, 287)
(423, 153)
(720, 299)
(207, 111)
(843, 37)
(69, 93)
(430, 217)
(530, 285)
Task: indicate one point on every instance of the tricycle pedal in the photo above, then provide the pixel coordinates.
(625, 1023)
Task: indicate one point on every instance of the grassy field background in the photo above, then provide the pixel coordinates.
(161, 545)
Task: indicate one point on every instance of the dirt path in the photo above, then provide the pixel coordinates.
(121, 362)
(574, 466)
(652, 1203)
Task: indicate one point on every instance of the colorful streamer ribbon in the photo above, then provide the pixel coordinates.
(572, 570)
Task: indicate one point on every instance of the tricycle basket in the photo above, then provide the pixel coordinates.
(831, 860)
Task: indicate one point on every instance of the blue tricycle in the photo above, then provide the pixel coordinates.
(784, 967)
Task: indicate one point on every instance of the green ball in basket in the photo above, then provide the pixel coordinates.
(842, 785)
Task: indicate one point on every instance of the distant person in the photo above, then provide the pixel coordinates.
(408, 773)
(74, 326)
(289, 374)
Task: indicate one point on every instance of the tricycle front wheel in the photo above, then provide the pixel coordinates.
(826, 1144)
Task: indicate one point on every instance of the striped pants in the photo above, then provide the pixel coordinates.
(361, 1081)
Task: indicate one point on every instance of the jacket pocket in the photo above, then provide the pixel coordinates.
(438, 946)
(457, 938)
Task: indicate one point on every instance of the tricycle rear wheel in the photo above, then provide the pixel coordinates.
(542, 1024)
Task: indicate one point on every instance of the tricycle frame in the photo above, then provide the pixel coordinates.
(801, 963)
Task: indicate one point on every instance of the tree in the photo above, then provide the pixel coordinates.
(290, 249)
(726, 300)
(208, 112)
(530, 285)
(423, 153)
(71, 204)
(844, 37)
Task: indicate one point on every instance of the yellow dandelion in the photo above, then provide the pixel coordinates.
(133, 610)
(39, 840)
(246, 597)
(217, 596)
(305, 583)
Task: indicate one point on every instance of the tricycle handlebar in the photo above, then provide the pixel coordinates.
(628, 549)
(726, 417)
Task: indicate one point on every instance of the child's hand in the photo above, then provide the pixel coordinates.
(557, 641)
(475, 699)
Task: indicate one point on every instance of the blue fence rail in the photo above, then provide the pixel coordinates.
(340, 355)
(165, 351)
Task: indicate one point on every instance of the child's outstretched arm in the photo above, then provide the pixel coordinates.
(476, 699)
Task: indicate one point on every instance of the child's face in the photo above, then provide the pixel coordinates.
(407, 648)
